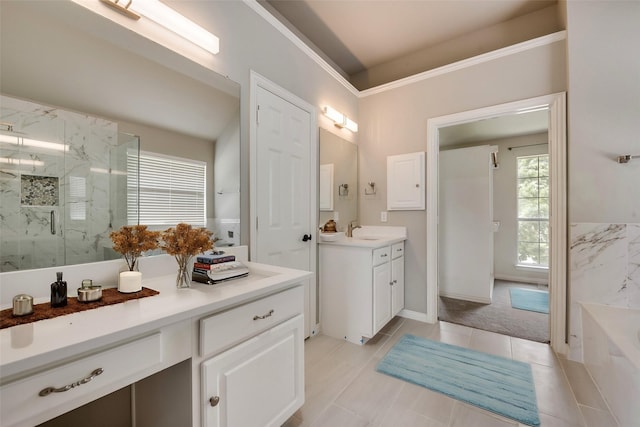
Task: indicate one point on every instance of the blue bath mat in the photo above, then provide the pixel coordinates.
(530, 299)
(502, 386)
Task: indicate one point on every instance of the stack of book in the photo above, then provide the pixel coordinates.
(217, 267)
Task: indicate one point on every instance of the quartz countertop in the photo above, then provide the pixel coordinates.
(31, 346)
(372, 237)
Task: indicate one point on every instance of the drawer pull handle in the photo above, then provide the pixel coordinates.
(47, 391)
(214, 401)
(264, 316)
(383, 255)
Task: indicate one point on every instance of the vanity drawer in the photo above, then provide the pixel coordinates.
(397, 250)
(230, 327)
(25, 399)
(381, 255)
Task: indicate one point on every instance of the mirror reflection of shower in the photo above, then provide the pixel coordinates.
(62, 185)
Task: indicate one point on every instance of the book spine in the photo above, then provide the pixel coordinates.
(210, 260)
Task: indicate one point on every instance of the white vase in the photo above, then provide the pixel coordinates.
(130, 281)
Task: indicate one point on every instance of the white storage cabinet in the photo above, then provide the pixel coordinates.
(361, 289)
(252, 374)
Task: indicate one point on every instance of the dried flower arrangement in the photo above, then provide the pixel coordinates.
(132, 240)
(183, 242)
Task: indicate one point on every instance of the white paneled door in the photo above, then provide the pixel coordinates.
(284, 188)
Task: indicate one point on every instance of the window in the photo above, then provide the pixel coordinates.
(533, 211)
(171, 190)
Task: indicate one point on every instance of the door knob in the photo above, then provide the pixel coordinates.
(214, 401)
(306, 237)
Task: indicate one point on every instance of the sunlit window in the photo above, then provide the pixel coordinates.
(533, 211)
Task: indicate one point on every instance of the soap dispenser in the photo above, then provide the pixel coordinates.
(59, 292)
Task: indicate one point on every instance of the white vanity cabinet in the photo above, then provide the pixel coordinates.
(259, 380)
(361, 287)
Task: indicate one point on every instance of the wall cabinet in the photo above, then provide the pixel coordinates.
(406, 182)
(361, 289)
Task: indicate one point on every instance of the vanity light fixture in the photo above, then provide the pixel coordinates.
(167, 17)
(35, 143)
(340, 119)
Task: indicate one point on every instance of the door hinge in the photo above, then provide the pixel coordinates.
(256, 223)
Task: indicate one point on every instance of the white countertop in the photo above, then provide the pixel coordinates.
(370, 243)
(372, 237)
(27, 347)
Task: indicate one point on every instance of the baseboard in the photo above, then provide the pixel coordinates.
(521, 279)
(414, 315)
(465, 297)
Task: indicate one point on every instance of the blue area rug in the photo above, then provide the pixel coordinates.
(494, 383)
(530, 299)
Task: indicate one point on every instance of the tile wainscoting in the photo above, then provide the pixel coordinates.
(604, 268)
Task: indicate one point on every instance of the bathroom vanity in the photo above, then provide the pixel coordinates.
(242, 343)
(361, 282)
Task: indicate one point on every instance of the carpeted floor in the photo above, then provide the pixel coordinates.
(498, 316)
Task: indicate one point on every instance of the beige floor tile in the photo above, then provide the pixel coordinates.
(533, 352)
(336, 416)
(451, 334)
(317, 347)
(550, 421)
(554, 394)
(582, 385)
(343, 389)
(490, 342)
(598, 418)
(424, 402)
(371, 394)
(466, 416)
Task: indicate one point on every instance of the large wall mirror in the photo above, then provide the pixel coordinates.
(53, 69)
(338, 180)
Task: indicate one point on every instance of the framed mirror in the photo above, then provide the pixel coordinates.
(66, 68)
(338, 180)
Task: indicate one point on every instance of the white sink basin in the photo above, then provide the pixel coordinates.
(332, 237)
(367, 237)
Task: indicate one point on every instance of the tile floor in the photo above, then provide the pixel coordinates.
(344, 390)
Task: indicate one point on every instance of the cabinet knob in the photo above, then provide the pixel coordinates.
(214, 401)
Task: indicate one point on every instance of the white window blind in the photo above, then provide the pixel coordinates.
(171, 190)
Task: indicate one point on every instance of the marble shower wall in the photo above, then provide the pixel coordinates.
(604, 268)
(79, 162)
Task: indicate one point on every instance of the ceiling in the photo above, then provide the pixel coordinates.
(359, 35)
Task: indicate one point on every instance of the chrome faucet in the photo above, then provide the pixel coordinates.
(350, 228)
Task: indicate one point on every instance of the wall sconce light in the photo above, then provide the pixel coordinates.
(163, 15)
(340, 119)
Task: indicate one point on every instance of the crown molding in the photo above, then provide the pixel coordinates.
(465, 63)
(469, 62)
(256, 7)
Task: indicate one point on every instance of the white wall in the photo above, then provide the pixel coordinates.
(395, 122)
(603, 123)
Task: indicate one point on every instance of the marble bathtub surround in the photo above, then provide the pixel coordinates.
(39, 190)
(604, 268)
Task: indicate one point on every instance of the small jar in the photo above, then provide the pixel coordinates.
(22, 305)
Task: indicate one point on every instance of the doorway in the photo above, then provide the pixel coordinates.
(555, 104)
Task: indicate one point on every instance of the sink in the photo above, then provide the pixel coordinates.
(331, 237)
(367, 237)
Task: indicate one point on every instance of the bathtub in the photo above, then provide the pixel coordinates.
(611, 351)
